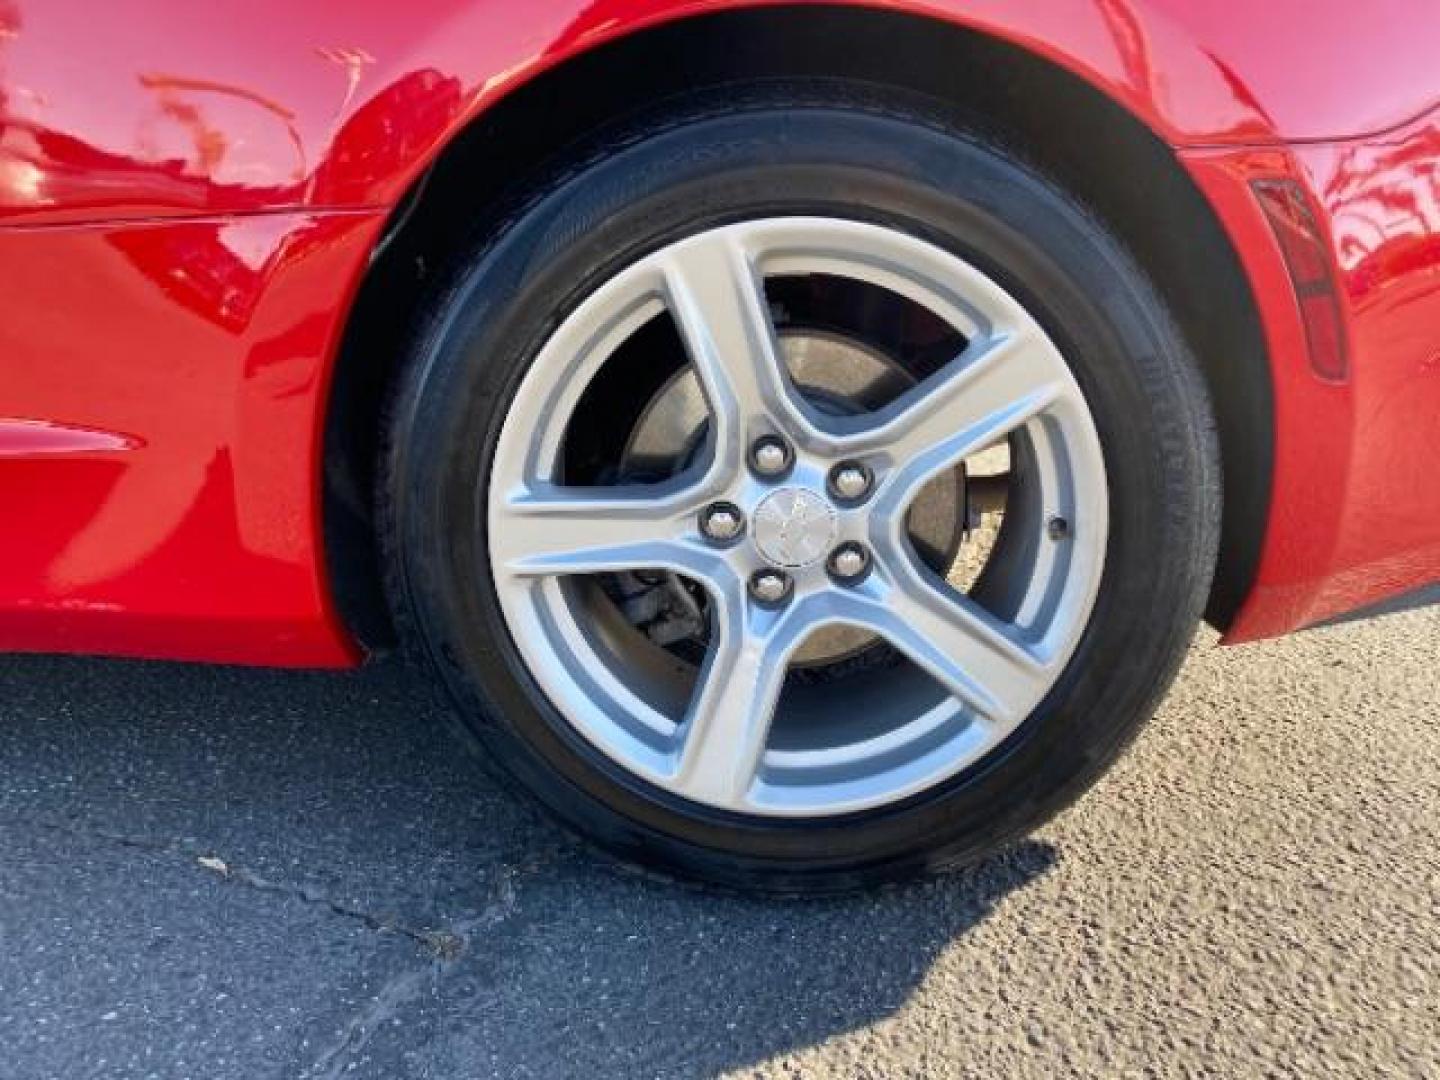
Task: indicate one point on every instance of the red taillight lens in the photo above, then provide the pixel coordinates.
(1303, 246)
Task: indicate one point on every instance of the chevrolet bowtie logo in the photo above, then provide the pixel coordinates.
(794, 527)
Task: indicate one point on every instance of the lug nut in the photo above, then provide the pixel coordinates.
(722, 522)
(770, 587)
(771, 456)
(850, 481)
(849, 562)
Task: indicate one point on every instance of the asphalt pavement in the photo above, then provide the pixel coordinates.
(217, 873)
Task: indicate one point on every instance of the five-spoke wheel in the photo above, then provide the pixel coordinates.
(796, 494)
(793, 519)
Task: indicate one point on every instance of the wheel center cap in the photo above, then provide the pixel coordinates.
(794, 527)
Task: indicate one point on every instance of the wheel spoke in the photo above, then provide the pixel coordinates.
(977, 658)
(549, 529)
(722, 737)
(718, 300)
(992, 389)
(1003, 385)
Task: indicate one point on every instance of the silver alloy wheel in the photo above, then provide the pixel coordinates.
(713, 743)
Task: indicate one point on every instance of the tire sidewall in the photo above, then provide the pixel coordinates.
(608, 210)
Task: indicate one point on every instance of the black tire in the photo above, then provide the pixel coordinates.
(693, 169)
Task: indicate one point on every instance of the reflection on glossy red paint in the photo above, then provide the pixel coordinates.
(161, 107)
(212, 339)
(1383, 196)
(43, 438)
(1384, 200)
(1356, 511)
(372, 147)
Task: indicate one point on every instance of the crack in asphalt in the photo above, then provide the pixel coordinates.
(405, 987)
(445, 947)
(392, 997)
(443, 944)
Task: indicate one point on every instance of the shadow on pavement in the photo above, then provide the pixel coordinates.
(280, 874)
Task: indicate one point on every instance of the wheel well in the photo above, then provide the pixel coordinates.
(1099, 151)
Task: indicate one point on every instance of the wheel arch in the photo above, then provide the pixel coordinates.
(1099, 148)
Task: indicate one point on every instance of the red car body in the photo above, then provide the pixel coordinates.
(191, 196)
